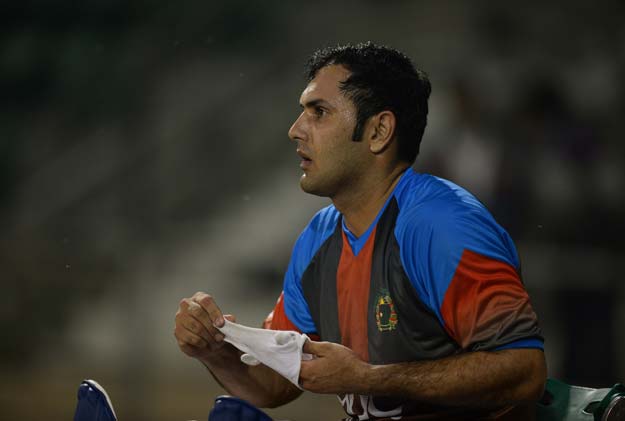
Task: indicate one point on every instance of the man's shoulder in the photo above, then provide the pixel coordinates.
(442, 213)
(428, 198)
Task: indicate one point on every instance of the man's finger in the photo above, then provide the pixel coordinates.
(192, 310)
(195, 327)
(189, 338)
(311, 347)
(196, 311)
(210, 306)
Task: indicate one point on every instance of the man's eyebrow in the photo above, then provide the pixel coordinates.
(314, 103)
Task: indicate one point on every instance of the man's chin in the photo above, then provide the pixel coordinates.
(308, 186)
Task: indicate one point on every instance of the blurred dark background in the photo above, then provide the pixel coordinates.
(144, 156)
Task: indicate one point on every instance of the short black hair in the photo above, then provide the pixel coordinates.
(381, 78)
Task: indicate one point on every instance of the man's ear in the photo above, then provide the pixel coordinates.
(380, 131)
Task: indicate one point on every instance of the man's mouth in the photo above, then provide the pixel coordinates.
(306, 161)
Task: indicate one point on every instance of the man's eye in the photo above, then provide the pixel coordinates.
(319, 112)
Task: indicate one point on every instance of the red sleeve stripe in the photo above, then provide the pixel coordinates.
(278, 320)
(483, 300)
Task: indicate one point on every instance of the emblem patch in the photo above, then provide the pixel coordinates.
(385, 314)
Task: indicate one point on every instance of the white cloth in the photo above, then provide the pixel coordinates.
(280, 350)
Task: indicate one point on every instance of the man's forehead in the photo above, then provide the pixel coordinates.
(325, 84)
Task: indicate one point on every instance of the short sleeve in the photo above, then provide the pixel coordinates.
(465, 268)
(278, 320)
(296, 308)
(292, 301)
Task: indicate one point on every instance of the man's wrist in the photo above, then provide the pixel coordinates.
(380, 379)
(366, 379)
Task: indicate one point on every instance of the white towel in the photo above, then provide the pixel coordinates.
(280, 350)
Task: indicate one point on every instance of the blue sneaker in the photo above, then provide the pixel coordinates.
(93, 403)
(229, 408)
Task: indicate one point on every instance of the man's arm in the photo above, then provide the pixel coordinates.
(198, 337)
(472, 379)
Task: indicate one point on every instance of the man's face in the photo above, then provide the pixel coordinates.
(331, 161)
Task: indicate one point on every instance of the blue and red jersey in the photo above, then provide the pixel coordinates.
(433, 276)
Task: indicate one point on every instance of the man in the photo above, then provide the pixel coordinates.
(411, 284)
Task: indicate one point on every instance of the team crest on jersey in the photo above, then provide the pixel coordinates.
(385, 314)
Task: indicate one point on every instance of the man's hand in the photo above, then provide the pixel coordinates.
(334, 369)
(196, 330)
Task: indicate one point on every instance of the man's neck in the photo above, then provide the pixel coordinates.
(360, 207)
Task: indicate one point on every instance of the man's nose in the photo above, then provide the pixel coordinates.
(297, 132)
